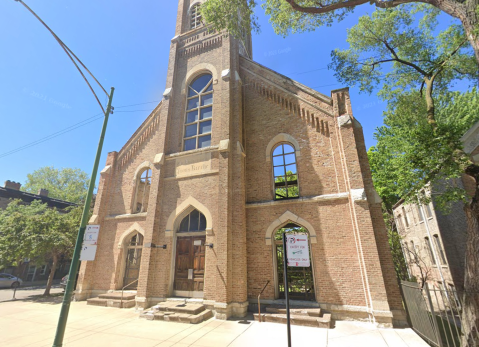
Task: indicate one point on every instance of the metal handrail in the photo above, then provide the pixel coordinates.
(259, 304)
(122, 289)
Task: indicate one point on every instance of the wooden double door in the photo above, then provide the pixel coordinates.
(190, 266)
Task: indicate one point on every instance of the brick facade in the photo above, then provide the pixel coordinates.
(231, 183)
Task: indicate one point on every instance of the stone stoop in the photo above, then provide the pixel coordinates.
(310, 317)
(175, 311)
(114, 300)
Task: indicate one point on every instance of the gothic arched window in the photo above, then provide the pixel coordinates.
(194, 221)
(285, 172)
(195, 16)
(199, 111)
(143, 184)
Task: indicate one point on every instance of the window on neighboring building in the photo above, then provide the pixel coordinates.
(428, 211)
(199, 113)
(195, 16)
(285, 172)
(442, 256)
(413, 251)
(406, 252)
(406, 220)
(142, 194)
(43, 270)
(429, 250)
(194, 221)
(419, 211)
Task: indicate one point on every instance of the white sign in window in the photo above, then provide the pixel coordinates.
(297, 250)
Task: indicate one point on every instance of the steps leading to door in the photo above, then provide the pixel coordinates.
(114, 299)
(178, 311)
(310, 317)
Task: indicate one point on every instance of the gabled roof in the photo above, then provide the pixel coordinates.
(28, 198)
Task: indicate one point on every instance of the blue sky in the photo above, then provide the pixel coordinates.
(125, 44)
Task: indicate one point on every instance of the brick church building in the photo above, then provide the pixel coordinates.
(235, 154)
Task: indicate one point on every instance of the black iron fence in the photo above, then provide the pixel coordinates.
(434, 313)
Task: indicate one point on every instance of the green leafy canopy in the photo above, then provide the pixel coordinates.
(66, 184)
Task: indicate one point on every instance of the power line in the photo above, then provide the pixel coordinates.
(69, 129)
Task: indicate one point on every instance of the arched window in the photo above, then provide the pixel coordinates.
(142, 194)
(285, 172)
(194, 221)
(195, 16)
(301, 280)
(199, 111)
(133, 261)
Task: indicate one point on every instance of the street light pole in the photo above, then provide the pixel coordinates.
(62, 321)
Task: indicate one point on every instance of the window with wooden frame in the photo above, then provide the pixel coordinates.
(285, 172)
(194, 221)
(195, 16)
(143, 184)
(199, 113)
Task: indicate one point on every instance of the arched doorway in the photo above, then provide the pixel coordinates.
(190, 255)
(301, 280)
(133, 261)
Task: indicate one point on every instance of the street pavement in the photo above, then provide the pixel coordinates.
(32, 322)
(26, 292)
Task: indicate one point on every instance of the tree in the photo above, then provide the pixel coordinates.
(37, 232)
(291, 16)
(394, 239)
(66, 184)
(422, 69)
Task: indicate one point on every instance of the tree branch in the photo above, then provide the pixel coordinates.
(450, 7)
(399, 60)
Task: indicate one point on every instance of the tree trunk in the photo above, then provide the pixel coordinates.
(470, 314)
(470, 22)
(52, 274)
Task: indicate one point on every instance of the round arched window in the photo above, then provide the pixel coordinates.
(199, 113)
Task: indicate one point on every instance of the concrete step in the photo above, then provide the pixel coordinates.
(311, 312)
(303, 320)
(177, 312)
(112, 303)
(179, 307)
(96, 302)
(117, 296)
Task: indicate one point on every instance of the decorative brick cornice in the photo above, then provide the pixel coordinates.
(144, 133)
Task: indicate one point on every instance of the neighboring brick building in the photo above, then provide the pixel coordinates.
(29, 271)
(438, 240)
(234, 154)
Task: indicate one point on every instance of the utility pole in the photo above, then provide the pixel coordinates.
(62, 321)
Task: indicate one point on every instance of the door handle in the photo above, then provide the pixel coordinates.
(190, 274)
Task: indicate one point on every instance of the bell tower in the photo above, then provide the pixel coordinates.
(200, 165)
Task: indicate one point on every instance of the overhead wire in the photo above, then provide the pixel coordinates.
(71, 128)
(69, 53)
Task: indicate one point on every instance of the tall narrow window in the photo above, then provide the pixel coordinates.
(143, 185)
(406, 220)
(285, 172)
(428, 211)
(442, 256)
(195, 16)
(421, 216)
(429, 250)
(199, 113)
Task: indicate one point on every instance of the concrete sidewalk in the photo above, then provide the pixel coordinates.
(33, 323)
